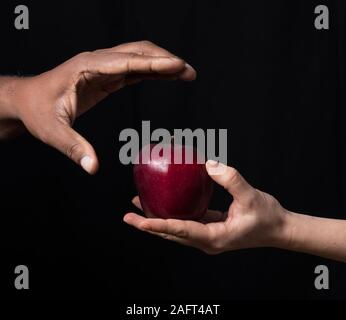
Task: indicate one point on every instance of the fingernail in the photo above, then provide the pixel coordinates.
(215, 168)
(188, 65)
(87, 163)
(126, 218)
(212, 163)
(167, 61)
(172, 58)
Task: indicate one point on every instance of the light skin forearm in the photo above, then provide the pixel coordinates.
(313, 235)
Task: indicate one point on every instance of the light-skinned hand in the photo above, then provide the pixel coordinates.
(254, 218)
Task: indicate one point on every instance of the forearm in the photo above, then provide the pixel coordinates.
(7, 97)
(313, 235)
(10, 125)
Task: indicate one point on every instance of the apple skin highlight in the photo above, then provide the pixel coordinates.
(172, 190)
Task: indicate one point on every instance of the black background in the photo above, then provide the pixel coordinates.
(264, 72)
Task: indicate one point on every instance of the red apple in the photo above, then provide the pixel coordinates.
(171, 190)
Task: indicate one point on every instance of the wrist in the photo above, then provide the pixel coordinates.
(9, 93)
(286, 235)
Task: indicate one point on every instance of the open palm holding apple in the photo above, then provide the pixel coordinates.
(254, 219)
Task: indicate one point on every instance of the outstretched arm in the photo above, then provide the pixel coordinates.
(254, 219)
(319, 236)
(48, 104)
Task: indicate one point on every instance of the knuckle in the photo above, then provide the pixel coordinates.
(143, 46)
(132, 55)
(260, 197)
(144, 226)
(83, 56)
(81, 60)
(254, 199)
(146, 43)
(181, 233)
(73, 150)
(128, 60)
(270, 200)
(231, 175)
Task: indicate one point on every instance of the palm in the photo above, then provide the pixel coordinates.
(91, 89)
(202, 231)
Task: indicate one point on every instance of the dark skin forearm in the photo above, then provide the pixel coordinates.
(10, 125)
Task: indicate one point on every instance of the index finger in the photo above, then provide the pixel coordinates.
(112, 63)
(151, 49)
(144, 48)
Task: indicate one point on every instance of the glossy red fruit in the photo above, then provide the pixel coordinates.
(170, 190)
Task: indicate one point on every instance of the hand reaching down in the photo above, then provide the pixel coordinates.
(48, 104)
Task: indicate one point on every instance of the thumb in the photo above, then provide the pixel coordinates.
(74, 146)
(230, 179)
